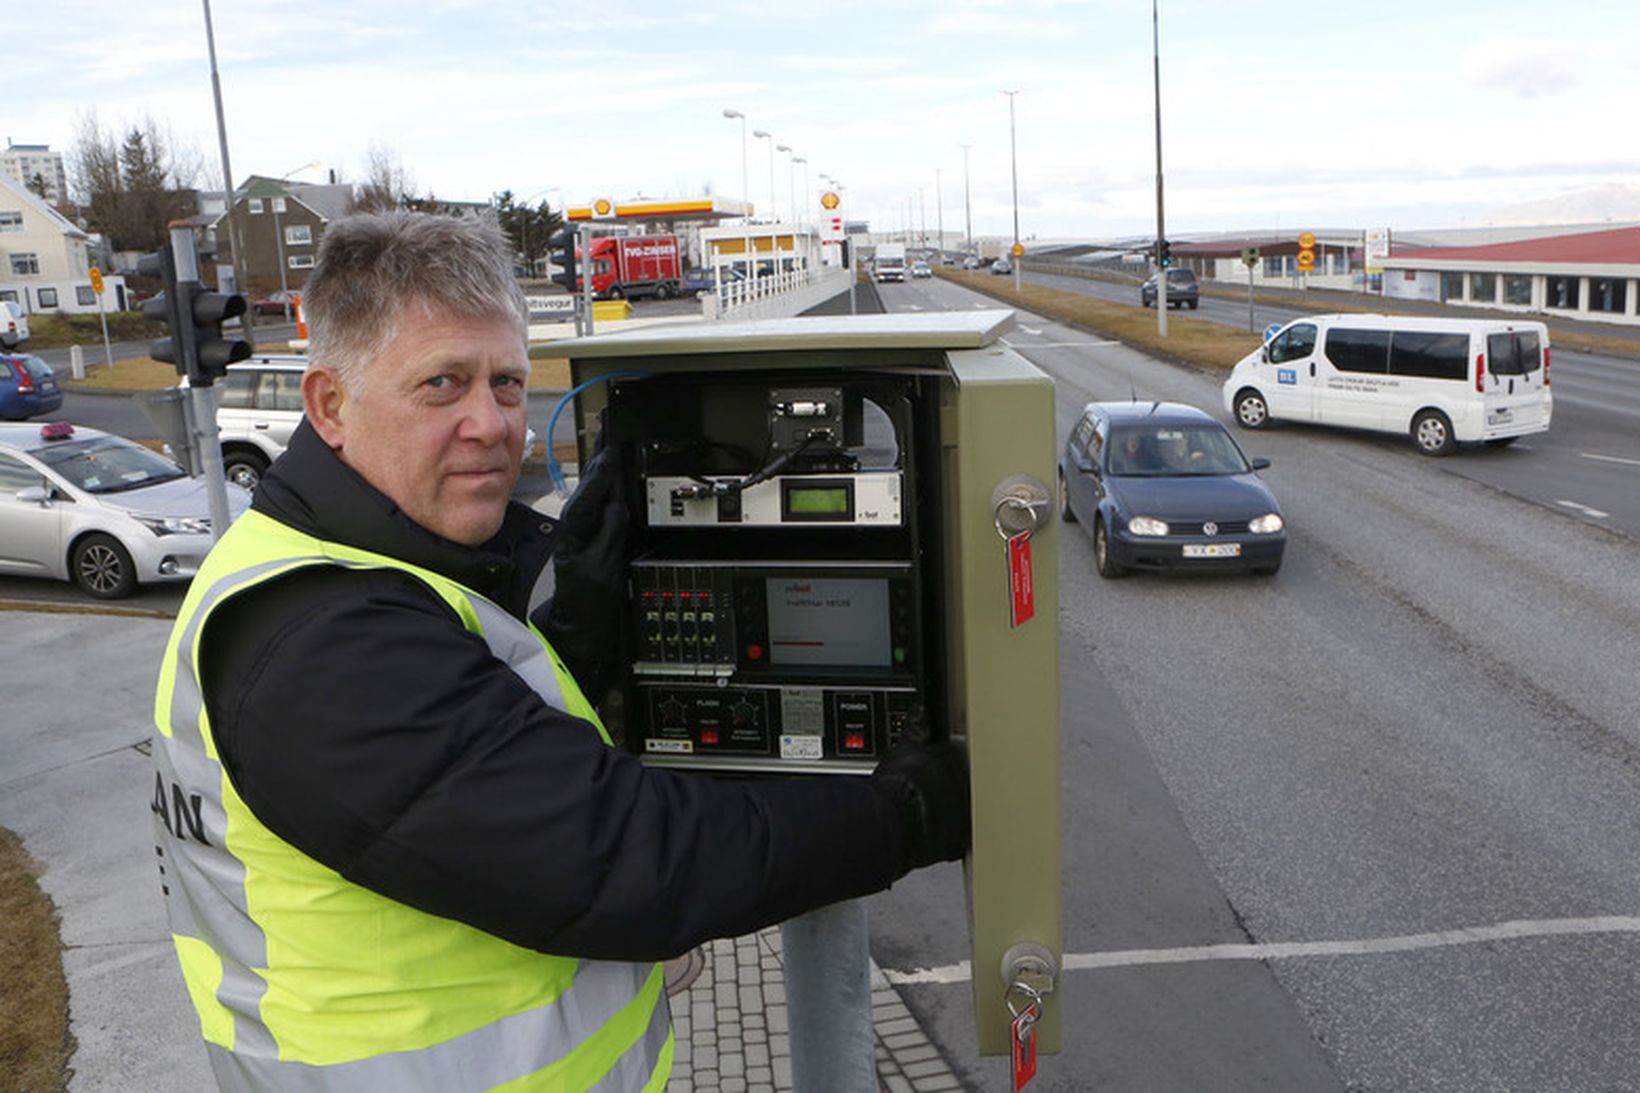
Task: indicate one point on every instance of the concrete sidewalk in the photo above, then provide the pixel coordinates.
(77, 697)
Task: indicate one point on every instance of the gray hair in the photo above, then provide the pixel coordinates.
(370, 266)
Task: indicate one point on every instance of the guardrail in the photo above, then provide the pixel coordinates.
(785, 293)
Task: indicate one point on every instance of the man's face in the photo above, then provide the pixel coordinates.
(439, 425)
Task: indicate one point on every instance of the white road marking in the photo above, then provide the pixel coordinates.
(1033, 331)
(1055, 345)
(1584, 509)
(1519, 929)
(1610, 458)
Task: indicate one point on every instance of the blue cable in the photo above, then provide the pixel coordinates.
(554, 471)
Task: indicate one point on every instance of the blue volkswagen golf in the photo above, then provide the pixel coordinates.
(1164, 486)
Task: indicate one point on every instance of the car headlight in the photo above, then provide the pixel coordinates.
(176, 525)
(1147, 525)
(1268, 524)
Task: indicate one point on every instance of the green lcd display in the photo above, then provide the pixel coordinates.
(818, 501)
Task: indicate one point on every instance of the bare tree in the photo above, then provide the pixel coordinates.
(131, 188)
(387, 184)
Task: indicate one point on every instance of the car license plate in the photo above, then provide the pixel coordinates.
(1212, 550)
(1501, 416)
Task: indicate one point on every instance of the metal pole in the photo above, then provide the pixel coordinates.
(207, 441)
(279, 239)
(1250, 328)
(1161, 232)
(939, 214)
(235, 236)
(828, 999)
(108, 347)
(1013, 160)
(967, 204)
(584, 241)
(746, 191)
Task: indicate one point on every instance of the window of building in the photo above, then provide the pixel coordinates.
(11, 220)
(1273, 266)
(24, 264)
(299, 235)
(1483, 287)
(1358, 350)
(46, 296)
(1517, 289)
(279, 205)
(1564, 292)
(1608, 294)
(84, 295)
(1437, 356)
(300, 261)
(256, 205)
(8, 295)
(1452, 286)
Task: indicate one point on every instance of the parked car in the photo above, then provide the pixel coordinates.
(921, 269)
(1182, 289)
(276, 303)
(1002, 265)
(13, 324)
(970, 262)
(28, 387)
(1164, 486)
(86, 506)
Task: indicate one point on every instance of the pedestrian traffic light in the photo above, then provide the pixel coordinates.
(196, 346)
(563, 255)
(1164, 256)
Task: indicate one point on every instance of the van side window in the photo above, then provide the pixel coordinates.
(1358, 350)
(1514, 354)
(235, 392)
(1433, 356)
(1293, 344)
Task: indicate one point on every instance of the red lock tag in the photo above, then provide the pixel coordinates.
(1021, 580)
(1024, 1038)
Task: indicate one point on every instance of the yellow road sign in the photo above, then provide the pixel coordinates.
(96, 280)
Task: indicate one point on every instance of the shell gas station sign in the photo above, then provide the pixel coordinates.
(831, 222)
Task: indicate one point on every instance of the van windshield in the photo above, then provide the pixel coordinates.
(1514, 354)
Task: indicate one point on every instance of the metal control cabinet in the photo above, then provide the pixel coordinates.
(804, 619)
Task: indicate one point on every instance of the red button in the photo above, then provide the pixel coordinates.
(854, 741)
(708, 736)
(754, 652)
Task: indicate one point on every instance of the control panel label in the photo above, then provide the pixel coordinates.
(669, 747)
(801, 746)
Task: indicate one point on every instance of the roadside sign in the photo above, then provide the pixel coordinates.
(1017, 250)
(96, 280)
(1271, 331)
(603, 209)
(1307, 240)
(830, 200)
(1306, 252)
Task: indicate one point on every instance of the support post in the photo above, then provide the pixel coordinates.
(828, 999)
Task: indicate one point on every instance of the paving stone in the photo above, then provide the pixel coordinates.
(927, 1069)
(891, 1028)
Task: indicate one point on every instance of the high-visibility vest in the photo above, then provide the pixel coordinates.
(306, 981)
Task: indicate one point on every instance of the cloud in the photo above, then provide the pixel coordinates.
(1523, 66)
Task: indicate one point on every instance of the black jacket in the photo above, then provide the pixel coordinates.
(364, 725)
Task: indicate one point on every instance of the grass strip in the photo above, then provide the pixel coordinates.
(35, 1044)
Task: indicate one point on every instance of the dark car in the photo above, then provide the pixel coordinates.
(1164, 486)
(28, 387)
(1182, 288)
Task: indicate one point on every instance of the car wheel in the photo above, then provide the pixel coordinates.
(1432, 433)
(1108, 567)
(244, 469)
(1251, 410)
(616, 292)
(1065, 512)
(102, 567)
(663, 292)
(1194, 304)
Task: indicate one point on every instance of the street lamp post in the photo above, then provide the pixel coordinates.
(1013, 159)
(807, 204)
(967, 206)
(746, 191)
(279, 236)
(1161, 234)
(939, 214)
(774, 208)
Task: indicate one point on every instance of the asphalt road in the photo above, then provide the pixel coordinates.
(1403, 775)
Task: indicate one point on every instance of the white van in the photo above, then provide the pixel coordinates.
(1441, 381)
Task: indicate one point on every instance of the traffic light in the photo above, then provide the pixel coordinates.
(1164, 256)
(562, 246)
(196, 345)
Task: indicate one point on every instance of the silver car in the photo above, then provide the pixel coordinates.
(86, 506)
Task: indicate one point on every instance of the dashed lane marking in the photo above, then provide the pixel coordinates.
(1578, 506)
(1517, 930)
(1055, 345)
(1611, 458)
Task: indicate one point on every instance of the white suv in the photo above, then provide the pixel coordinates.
(259, 405)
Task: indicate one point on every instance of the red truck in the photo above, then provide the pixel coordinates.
(635, 265)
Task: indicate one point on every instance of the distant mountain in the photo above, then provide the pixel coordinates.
(1613, 203)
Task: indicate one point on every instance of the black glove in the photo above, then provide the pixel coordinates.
(583, 618)
(928, 784)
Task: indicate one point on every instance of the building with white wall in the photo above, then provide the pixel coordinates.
(27, 162)
(45, 261)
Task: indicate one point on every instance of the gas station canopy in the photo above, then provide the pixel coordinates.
(705, 209)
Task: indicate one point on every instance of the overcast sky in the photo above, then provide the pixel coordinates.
(1286, 114)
